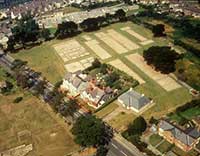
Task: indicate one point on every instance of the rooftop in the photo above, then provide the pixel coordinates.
(133, 99)
(179, 134)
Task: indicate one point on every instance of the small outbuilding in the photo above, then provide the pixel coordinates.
(133, 100)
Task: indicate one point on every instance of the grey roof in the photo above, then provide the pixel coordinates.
(133, 99)
(194, 133)
(176, 132)
(82, 86)
(73, 79)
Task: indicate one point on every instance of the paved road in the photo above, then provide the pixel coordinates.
(116, 149)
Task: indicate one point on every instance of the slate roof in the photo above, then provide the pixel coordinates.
(177, 133)
(73, 79)
(133, 99)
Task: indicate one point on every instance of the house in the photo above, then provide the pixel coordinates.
(71, 83)
(133, 100)
(95, 96)
(78, 84)
(175, 135)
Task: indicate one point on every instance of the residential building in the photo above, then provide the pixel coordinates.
(78, 84)
(134, 101)
(184, 139)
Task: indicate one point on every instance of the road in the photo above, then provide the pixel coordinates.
(121, 147)
(117, 149)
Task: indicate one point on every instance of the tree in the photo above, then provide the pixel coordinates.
(11, 44)
(45, 34)
(69, 108)
(26, 29)
(90, 131)
(96, 63)
(39, 87)
(66, 29)
(57, 85)
(121, 15)
(90, 24)
(111, 78)
(162, 58)
(138, 126)
(158, 30)
(22, 80)
(129, 2)
(153, 121)
(102, 151)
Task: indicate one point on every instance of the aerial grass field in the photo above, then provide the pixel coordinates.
(36, 121)
(45, 59)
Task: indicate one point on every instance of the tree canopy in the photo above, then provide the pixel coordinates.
(90, 131)
(90, 24)
(121, 15)
(162, 58)
(158, 30)
(26, 29)
(69, 108)
(66, 29)
(138, 126)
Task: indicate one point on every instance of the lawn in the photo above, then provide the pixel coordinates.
(121, 121)
(43, 59)
(155, 139)
(107, 110)
(48, 134)
(178, 151)
(164, 147)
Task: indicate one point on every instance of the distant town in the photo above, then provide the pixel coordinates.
(99, 78)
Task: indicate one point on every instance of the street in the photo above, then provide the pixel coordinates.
(117, 148)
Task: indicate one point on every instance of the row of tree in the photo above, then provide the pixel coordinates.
(69, 28)
(26, 30)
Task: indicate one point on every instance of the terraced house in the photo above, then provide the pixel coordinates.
(185, 139)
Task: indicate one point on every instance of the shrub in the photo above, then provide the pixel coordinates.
(18, 99)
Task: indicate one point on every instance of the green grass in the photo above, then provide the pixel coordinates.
(179, 152)
(43, 59)
(164, 147)
(155, 139)
(107, 110)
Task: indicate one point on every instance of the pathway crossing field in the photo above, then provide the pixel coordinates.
(162, 79)
(121, 66)
(96, 48)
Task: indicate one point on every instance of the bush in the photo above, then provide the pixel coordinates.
(153, 121)
(18, 99)
(187, 47)
(191, 104)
